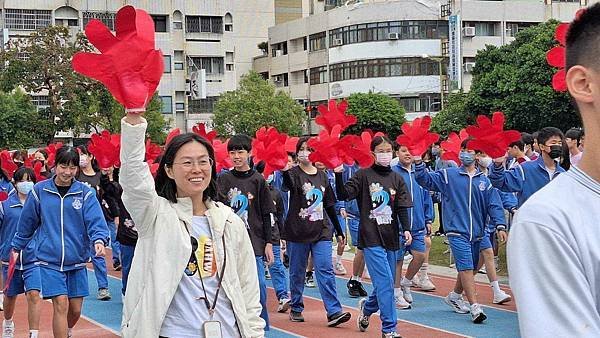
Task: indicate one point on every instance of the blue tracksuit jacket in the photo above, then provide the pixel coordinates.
(10, 211)
(422, 211)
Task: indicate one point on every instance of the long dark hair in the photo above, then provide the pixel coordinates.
(165, 186)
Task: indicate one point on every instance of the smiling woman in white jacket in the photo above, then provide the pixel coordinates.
(164, 297)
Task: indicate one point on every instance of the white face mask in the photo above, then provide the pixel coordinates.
(303, 155)
(383, 159)
(24, 187)
(485, 161)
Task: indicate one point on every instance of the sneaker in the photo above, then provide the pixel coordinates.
(284, 305)
(117, 266)
(296, 316)
(8, 330)
(310, 280)
(408, 258)
(483, 270)
(391, 335)
(502, 298)
(267, 272)
(477, 315)
(339, 269)
(401, 303)
(459, 305)
(356, 289)
(423, 283)
(497, 263)
(405, 286)
(338, 318)
(363, 320)
(1, 301)
(103, 294)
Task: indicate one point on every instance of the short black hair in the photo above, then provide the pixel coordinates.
(377, 140)
(546, 133)
(583, 38)
(527, 139)
(519, 144)
(301, 141)
(43, 152)
(165, 186)
(240, 142)
(20, 173)
(67, 155)
(3, 175)
(465, 143)
(574, 134)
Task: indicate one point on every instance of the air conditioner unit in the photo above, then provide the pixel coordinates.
(469, 31)
(278, 52)
(337, 42)
(469, 67)
(393, 36)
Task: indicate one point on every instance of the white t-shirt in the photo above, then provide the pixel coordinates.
(186, 313)
(553, 259)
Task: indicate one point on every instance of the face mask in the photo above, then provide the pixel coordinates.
(383, 159)
(555, 151)
(466, 158)
(303, 155)
(435, 151)
(24, 187)
(485, 161)
(83, 161)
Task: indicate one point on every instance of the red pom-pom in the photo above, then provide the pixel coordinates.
(269, 147)
(105, 148)
(334, 114)
(8, 165)
(490, 137)
(200, 129)
(171, 135)
(417, 137)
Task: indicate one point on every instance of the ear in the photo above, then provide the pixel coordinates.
(169, 171)
(580, 84)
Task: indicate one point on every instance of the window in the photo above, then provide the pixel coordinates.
(203, 106)
(279, 49)
(40, 101)
(423, 103)
(27, 19)
(318, 75)
(160, 23)
(281, 80)
(407, 66)
(229, 67)
(167, 60)
(179, 58)
(177, 20)
(212, 65)
(167, 104)
(512, 28)
(228, 20)
(107, 18)
(485, 28)
(379, 31)
(317, 41)
(73, 22)
(204, 24)
(179, 106)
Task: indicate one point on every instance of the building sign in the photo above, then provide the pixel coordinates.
(336, 89)
(455, 64)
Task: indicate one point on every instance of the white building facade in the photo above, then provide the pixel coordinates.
(219, 36)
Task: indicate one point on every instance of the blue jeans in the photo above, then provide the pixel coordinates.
(382, 266)
(126, 259)
(278, 274)
(99, 269)
(114, 244)
(262, 285)
(321, 255)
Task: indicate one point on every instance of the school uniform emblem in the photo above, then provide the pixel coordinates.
(77, 203)
(482, 186)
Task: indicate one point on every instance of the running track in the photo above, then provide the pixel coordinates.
(429, 317)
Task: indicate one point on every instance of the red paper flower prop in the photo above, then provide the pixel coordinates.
(417, 136)
(359, 148)
(128, 65)
(106, 149)
(152, 151)
(290, 144)
(171, 135)
(490, 137)
(334, 114)
(8, 165)
(222, 155)
(269, 147)
(200, 129)
(452, 146)
(153, 168)
(328, 149)
(52, 149)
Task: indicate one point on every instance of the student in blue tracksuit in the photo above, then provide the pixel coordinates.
(468, 199)
(338, 267)
(527, 178)
(5, 186)
(420, 219)
(26, 277)
(383, 200)
(65, 216)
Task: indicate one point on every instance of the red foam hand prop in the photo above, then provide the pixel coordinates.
(8, 165)
(490, 137)
(221, 155)
(359, 148)
(290, 144)
(334, 114)
(37, 170)
(128, 65)
(52, 149)
(3, 196)
(269, 147)
(153, 168)
(417, 136)
(452, 146)
(200, 129)
(328, 149)
(171, 135)
(556, 57)
(152, 151)
(105, 148)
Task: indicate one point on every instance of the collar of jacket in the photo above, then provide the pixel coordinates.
(541, 164)
(462, 171)
(14, 201)
(50, 186)
(217, 214)
(410, 171)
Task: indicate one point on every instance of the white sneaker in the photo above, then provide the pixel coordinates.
(483, 270)
(8, 330)
(405, 286)
(1, 301)
(284, 305)
(362, 322)
(339, 269)
(477, 315)
(502, 298)
(407, 258)
(423, 283)
(458, 304)
(401, 303)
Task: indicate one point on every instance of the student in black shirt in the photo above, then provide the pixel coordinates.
(307, 231)
(382, 199)
(246, 192)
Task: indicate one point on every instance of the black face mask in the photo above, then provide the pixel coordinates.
(555, 151)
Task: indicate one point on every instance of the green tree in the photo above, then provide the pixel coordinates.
(18, 121)
(454, 117)
(516, 79)
(377, 112)
(256, 104)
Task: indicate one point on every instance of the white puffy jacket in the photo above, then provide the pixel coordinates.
(163, 249)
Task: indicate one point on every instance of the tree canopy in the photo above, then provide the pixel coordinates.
(375, 111)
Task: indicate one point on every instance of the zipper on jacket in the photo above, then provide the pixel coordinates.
(470, 213)
(412, 196)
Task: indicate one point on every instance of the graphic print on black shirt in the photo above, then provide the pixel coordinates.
(381, 211)
(239, 203)
(314, 203)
